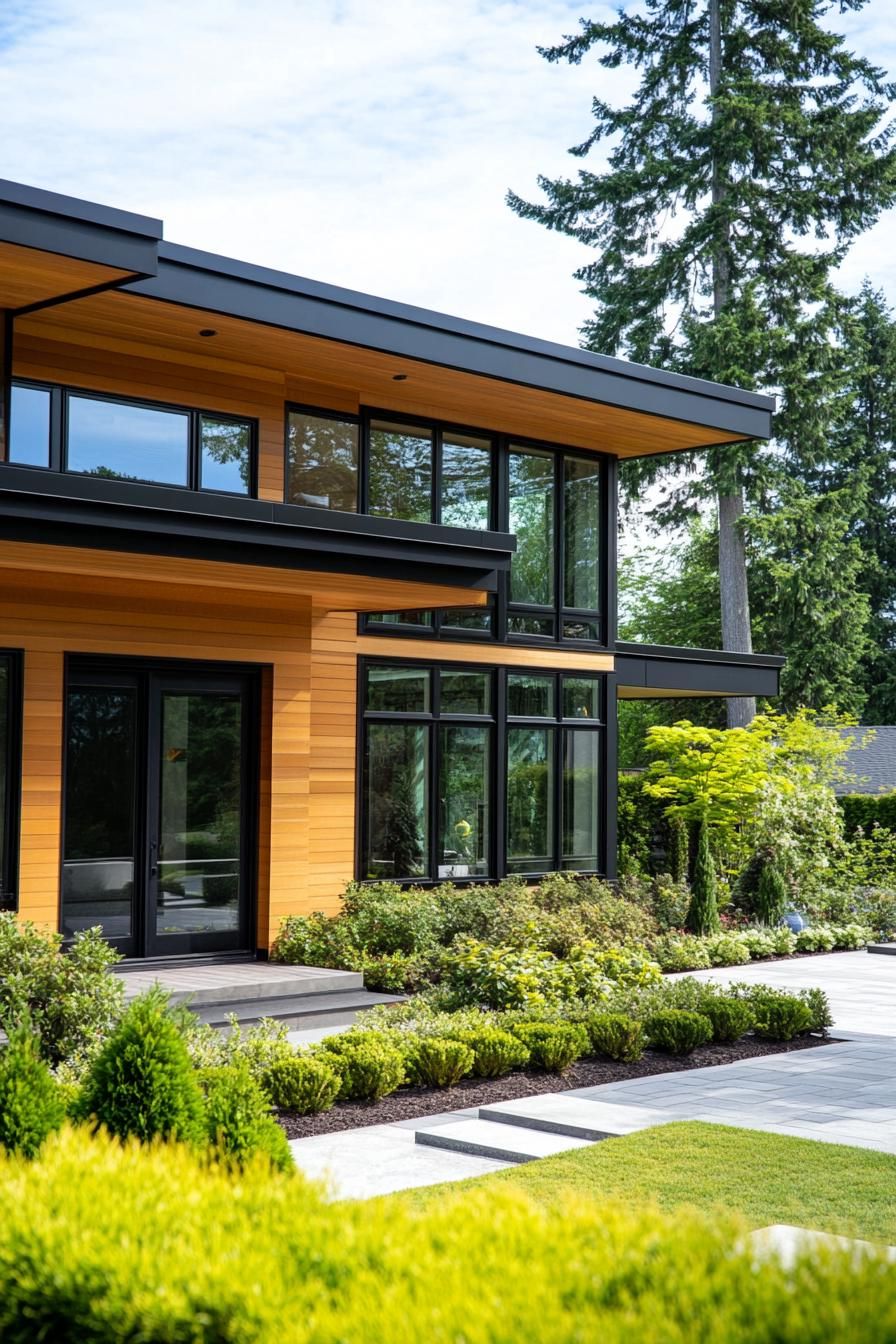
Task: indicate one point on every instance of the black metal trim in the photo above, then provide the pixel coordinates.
(49, 222)
(698, 672)
(88, 511)
(9, 861)
(192, 278)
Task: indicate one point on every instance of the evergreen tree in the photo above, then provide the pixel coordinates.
(771, 895)
(748, 160)
(703, 911)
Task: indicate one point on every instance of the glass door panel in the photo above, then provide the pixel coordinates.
(100, 836)
(197, 859)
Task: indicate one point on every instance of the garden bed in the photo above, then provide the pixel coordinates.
(411, 1103)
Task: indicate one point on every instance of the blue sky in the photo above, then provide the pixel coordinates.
(366, 144)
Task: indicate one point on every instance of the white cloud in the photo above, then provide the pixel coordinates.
(365, 144)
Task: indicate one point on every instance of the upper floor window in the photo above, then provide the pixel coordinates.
(94, 435)
(322, 460)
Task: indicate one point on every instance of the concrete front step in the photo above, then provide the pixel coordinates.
(504, 1143)
(246, 982)
(296, 1011)
(885, 949)
(575, 1117)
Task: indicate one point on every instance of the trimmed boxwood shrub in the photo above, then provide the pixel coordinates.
(238, 1124)
(306, 1084)
(678, 1031)
(553, 1046)
(31, 1101)
(780, 1017)
(730, 1018)
(369, 1065)
(495, 1052)
(142, 1082)
(436, 1061)
(617, 1036)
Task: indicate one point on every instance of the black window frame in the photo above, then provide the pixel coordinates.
(61, 395)
(503, 609)
(500, 722)
(323, 413)
(9, 857)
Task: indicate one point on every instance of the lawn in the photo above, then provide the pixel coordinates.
(767, 1178)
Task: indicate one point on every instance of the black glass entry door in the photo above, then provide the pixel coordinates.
(159, 806)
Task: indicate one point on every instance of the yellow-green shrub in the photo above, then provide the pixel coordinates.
(102, 1243)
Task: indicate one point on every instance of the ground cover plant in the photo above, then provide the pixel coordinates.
(765, 1178)
(180, 1250)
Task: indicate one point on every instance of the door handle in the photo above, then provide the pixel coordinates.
(153, 858)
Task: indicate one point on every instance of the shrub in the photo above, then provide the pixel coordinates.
(31, 1101)
(553, 1046)
(771, 894)
(142, 1081)
(819, 938)
(675, 952)
(102, 1243)
(780, 1017)
(369, 1065)
(507, 977)
(819, 1009)
(316, 940)
(69, 998)
(703, 911)
(384, 918)
(678, 1031)
(725, 950)
(302, 1083)
(495, 1052)
(617, 1036)
(436, 1061)
(730, 1018)
(238, 1124)
(394, 972)
(628, 967)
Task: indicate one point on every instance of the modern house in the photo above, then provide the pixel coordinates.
(299, 586)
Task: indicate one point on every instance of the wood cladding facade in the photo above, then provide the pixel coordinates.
(57, 601)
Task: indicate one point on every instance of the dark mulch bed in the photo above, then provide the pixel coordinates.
(412, 1102)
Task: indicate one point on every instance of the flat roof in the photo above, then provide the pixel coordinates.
(205, 281)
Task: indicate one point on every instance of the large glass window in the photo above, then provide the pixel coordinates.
(400, 484)
(581, 533)
(127, 443)
(29, 426)
(225, 455)
(466, 481)
(121, 440)
(322, 461)
(396, 801)
(531, 486)
(9, 722)
(431, 763)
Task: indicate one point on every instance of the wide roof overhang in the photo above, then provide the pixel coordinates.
(73, 270)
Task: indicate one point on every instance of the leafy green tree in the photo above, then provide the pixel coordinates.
(749, 158)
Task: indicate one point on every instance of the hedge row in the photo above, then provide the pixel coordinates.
(862, 811)
(103, 1243)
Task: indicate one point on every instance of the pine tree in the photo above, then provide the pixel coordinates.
(703, 911)
(749, 159)
(679, 849)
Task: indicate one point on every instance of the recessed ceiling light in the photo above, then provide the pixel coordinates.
(399, 377)
(207, 331)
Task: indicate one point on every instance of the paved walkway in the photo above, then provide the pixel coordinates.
(843, 1093)
(860, 985)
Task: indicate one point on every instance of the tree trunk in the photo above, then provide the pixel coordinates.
(736, 634)
(733, 589)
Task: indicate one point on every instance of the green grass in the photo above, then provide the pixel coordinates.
(767, 1178)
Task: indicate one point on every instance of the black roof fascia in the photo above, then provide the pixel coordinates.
(37, 505)
(253, 293)
(49, 222)
(697, 671)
